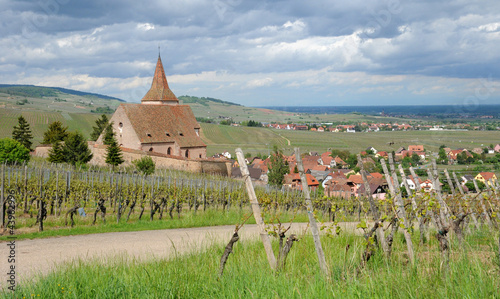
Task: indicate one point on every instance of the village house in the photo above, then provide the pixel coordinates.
(496, 148)
(158, 124)
(293, 181)
(416, 148)
(339, 163)
(377, 190)
(466, 178)
(371, 149)
(477, 150)
(427, 186)
(486, 177)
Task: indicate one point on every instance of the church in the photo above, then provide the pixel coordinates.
(159, 123)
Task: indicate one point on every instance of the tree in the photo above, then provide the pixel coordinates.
(415, 159)
(55, 133)
(76, 150)
(343, 154)
(56, 153)
(22, 133)
(100, 125)
(146, 165)
(109, 135)
(278, 167)
(352, 161)
(113, 151)
(12, 151)
(443, 158)
(462, 158)
(472, 188)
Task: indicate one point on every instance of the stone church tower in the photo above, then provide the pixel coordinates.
(159, 124)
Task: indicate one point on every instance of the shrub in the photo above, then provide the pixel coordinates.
(146, 165)
(11, 151)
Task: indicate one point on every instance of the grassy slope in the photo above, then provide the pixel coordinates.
(473, 273)
(241, 113)
(253, 140)
(39, 122)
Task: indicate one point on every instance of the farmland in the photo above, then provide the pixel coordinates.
(261, 140)
(39, 122)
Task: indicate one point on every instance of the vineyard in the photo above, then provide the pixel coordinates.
(39, 121)
(49, 194)
(40, 193)
(413, 243)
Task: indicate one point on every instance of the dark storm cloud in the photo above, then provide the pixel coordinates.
(275, 40)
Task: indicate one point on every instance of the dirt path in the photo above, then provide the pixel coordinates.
(40, 256)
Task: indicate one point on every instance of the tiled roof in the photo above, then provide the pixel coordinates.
(159, 90)
(311, 181)
(487, 175)
(164, 123)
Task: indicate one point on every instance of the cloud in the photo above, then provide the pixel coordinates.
(272, 51)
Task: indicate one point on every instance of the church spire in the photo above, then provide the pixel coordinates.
(160, 93)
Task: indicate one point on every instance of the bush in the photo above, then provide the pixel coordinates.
(11, 151)
(145, 165)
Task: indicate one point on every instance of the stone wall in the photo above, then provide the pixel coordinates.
(210, 166)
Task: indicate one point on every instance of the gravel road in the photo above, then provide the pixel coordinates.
(40, 256)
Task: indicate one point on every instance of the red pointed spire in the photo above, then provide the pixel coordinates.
(159, 91)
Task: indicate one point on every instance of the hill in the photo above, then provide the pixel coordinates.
(55, 99)
(43, 91)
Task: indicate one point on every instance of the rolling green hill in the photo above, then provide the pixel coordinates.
(41, 106)
(54, 99)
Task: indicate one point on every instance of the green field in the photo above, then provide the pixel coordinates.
(241, 113)
(261, 140)
(39, 122)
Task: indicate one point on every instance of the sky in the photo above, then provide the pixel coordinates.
(260, 53)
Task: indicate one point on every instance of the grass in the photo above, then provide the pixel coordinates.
(39, 122)
(261, 140)
(55, 226)
(473, 273)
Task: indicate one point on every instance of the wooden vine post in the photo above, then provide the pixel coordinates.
(400, 206)
(2, 195)
(379, 230)
(256, 209)
(310, 213)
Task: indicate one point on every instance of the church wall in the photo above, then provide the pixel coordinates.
(195, 152)
(162, 148)
(125, 134)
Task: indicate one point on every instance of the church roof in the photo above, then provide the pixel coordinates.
(159, 90)
(164, 123)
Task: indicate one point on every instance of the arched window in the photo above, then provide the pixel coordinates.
(187, 154)
(169, 151)
(150, 149)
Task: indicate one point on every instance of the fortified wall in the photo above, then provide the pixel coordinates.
(209, 166)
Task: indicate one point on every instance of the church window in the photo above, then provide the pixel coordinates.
(187, 154)
(169, 151)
